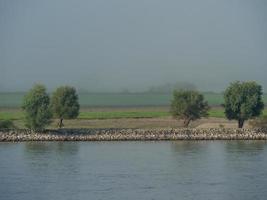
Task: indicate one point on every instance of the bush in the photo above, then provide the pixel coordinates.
(188, 105)
(6, 124)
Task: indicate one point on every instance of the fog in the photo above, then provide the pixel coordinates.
(115, 45)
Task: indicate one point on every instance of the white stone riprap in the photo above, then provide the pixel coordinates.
(132, 134)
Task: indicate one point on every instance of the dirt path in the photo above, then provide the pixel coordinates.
(149, 123)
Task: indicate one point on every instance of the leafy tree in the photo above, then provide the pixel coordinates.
(243, 101)
(36, 107)
(188, 105)
(65, 104)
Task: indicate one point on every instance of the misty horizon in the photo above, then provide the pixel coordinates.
(114, 46)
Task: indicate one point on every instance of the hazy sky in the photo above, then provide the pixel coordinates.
(109, 45)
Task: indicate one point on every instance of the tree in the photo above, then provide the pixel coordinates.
(243, 101)
(65, 104)
(36, 107)
(188, 105)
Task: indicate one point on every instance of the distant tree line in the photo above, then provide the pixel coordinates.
(168, 88)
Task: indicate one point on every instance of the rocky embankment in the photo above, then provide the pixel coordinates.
(132, 134)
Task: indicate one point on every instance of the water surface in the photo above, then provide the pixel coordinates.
(134, 170)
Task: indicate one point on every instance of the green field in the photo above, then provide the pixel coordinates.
(116, 100)
(18, 115)
(114, 106)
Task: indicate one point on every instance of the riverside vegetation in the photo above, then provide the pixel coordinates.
(217, 112)
(189, 106)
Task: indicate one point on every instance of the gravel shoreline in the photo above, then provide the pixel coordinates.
(20, 135)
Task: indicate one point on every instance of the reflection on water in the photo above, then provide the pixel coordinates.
(188, 147)
(134, 170)
(245, 146)
(45, 157)
(44, 147)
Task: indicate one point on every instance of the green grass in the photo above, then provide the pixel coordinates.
(116, 100)
(264, 112)
(216, 112)
(18, 115)
(11, 115)
(122, 114)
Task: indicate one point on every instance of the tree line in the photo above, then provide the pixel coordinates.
(242, 101)
(39, 108)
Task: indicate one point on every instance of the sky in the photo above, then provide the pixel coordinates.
(112, 45)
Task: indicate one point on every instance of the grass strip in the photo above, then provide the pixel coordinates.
(214, 112)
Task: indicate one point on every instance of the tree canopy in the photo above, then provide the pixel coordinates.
(188, 105)
(36, 108)
(243, 101)
(65, 104)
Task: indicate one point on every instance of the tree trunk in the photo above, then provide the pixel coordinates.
(60, 123)
(241, 123)
(186, 122)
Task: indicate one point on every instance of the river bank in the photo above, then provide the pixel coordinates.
(20, 135)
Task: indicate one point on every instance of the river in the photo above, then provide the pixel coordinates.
(181, 170)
